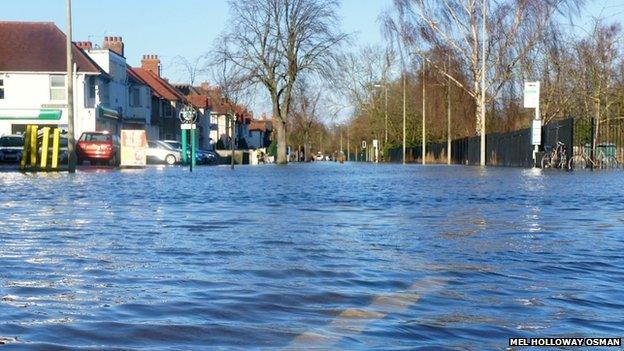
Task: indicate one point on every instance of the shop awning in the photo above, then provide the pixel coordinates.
(31, 114)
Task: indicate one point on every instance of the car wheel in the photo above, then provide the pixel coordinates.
(170, 160)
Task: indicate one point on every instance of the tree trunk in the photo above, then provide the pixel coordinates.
(281, 142)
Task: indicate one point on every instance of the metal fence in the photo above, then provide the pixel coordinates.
(608, 135)
(502, 149)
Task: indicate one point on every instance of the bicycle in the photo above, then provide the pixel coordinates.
(557, 157)
(600, 160)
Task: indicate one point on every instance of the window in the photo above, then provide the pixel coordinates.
(168, 112)
(95, 137)
(135, 97)
(92, 87)
(1, 89)
(90, 92)
(57, 87)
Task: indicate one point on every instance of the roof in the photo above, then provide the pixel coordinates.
(132, 74)
(198, 101)
(160, 87)
(259, 125)
(38, 47)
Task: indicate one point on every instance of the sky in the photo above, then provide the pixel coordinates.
(189, 28)
(167, 28)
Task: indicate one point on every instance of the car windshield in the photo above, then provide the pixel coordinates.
(11, 141)
(95, 137)
(174, 144)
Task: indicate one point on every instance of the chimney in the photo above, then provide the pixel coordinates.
(84, 45)
(151, 63)
(114, 44)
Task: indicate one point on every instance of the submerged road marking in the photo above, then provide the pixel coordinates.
(354, 321)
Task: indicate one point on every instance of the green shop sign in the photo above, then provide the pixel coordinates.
(44, 114)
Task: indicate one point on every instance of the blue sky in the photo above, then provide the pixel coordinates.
(167, 28)
(189, 27)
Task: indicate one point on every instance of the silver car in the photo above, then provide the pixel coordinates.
(11, 147)
(160, 152)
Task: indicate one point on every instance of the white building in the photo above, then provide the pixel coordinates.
(33, 79)
(126, 101)
(259, 134)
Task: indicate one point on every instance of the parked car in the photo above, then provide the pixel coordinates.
(173, 143)
(161, 152)
(11, 147)
(209, 157)
(200, 158)
(98, 147)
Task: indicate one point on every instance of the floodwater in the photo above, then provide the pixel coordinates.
(325, 256)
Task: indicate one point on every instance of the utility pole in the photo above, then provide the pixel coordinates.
(483, 72)
(341, 149)
(232, 139)
(404, 113)
(424, 119)
(70, 93)
(348, 145)
(448, 113)
(386, 121)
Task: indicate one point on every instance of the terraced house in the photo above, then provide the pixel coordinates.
(33, 80)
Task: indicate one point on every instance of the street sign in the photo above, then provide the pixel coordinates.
(187, 115)
(188, 126)
(531, 94)
(536, 132)
(376, 143)
(363, 144)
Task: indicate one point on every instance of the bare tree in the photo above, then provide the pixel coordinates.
(487, 38)
(191, 69)
(274, 42)
(305, 112)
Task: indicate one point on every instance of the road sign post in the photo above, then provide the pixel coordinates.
(187, 119)
(531, 100)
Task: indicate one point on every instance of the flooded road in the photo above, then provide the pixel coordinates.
(327, 256)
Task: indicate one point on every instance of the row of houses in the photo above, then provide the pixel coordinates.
(109, 94)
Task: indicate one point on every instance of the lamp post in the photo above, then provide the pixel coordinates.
(385, 87)
(404, 112)
(424, 119)
(482, 126)
(70, 93)
(448, 114)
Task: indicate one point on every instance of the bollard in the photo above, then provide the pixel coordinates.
(56, 136)
(33, 146)
(43, 163)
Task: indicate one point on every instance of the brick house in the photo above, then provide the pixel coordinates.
(166, 100)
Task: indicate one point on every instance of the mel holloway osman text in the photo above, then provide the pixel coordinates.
(609, 342)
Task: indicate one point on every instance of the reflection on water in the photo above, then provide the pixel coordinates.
(321, 255)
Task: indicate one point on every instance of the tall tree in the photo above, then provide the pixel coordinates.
(274, 42)
(488, 38)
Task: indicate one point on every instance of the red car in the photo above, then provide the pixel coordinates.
(98, 147)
